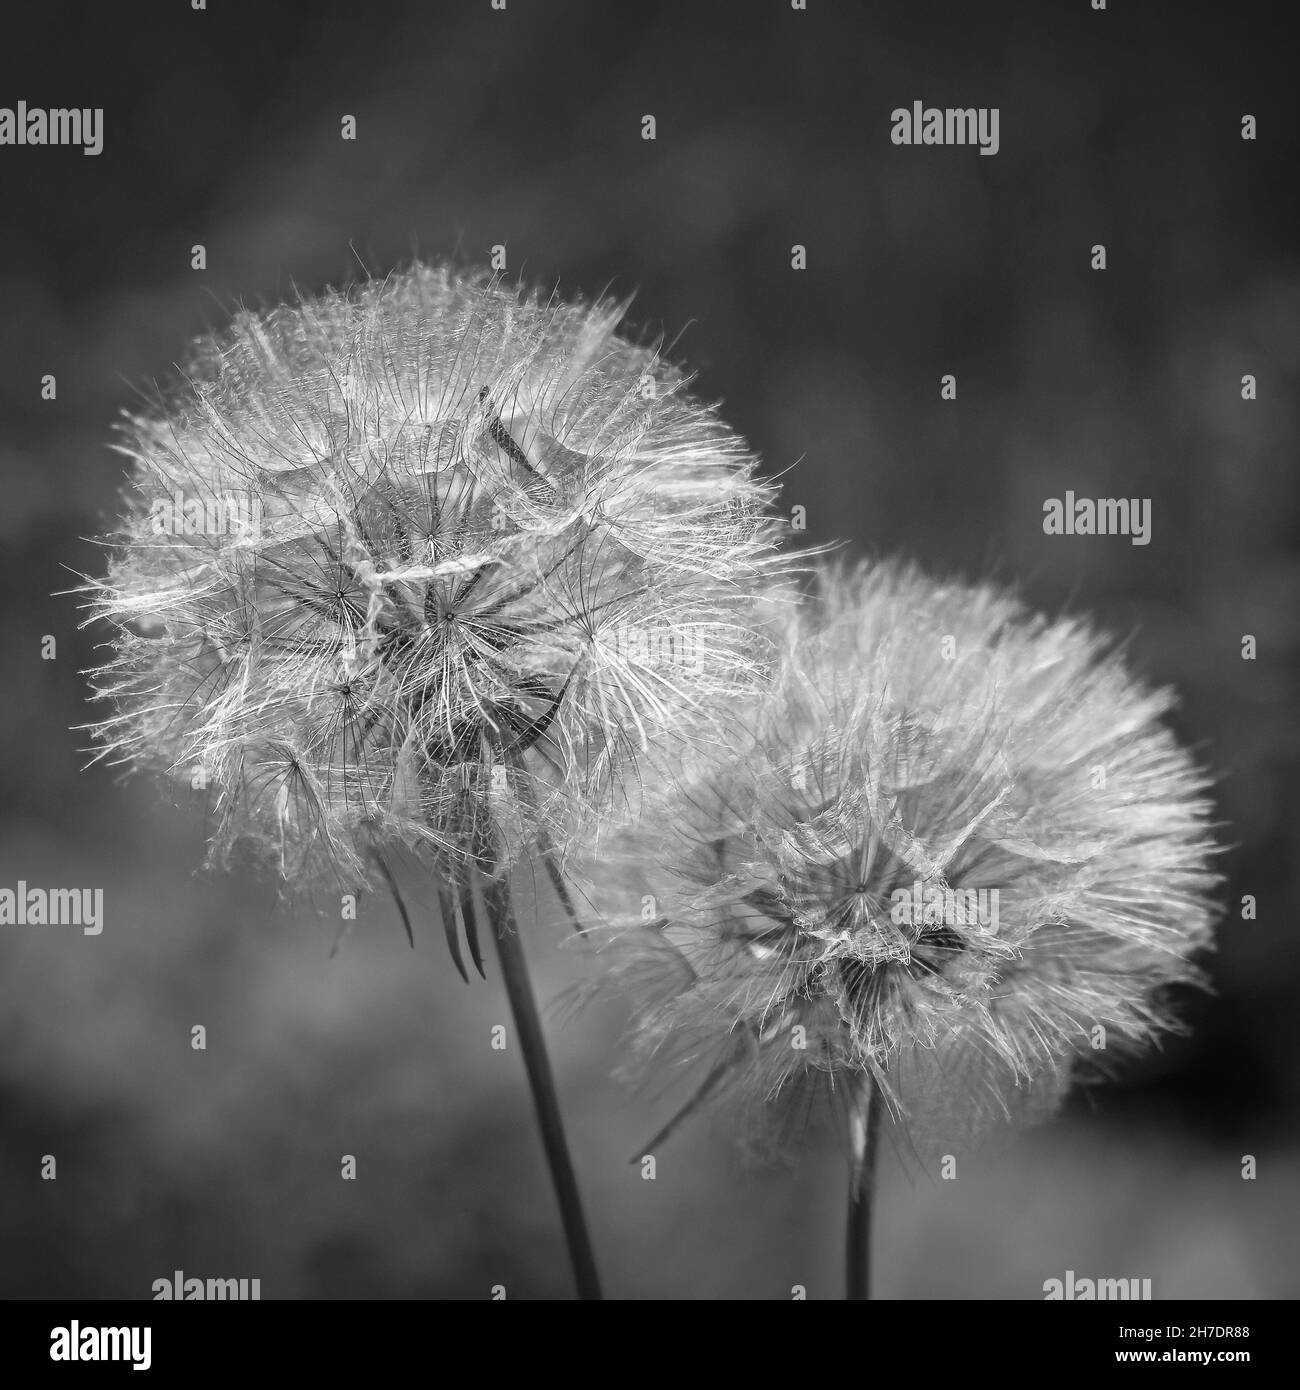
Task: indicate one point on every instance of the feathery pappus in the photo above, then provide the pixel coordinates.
(395, 566)
(808, 910)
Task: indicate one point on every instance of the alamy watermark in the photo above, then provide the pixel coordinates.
(77, 1343)
(935, 905)
(1101, 516)
(40, 125)
(53, 907)
(195, 1290)
(951, 125)
(1080, 1289)
(221, 514)
(657, 644)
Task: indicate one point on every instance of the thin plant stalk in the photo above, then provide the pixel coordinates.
(864, 1135)
(545, 847)
(528, 1028)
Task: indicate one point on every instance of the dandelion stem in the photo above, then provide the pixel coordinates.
(523, 1007)
(545, 845)
(864, 1130)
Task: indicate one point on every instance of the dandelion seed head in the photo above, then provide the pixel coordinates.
(807, 905)
(454, 503)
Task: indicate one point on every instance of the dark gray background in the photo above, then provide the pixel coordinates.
(477, 127)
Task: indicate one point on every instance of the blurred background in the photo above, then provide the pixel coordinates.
(523, 127)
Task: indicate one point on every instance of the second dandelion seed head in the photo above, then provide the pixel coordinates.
(958, 840)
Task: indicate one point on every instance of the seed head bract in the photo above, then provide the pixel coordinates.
(430, 561)
(957, 853)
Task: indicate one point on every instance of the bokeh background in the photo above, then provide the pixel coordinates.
(523, 127)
